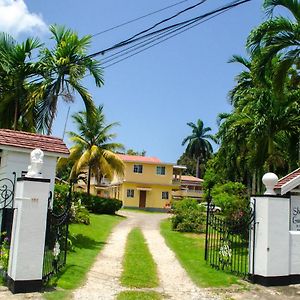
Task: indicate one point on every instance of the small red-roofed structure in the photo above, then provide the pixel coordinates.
(15, 149)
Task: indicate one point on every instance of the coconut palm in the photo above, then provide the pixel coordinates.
(63, 68)
(277, 36)
(198, 144)
(93, 150)
(16, 72)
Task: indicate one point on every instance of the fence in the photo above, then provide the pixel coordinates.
(227, 242)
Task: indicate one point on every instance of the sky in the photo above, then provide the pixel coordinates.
(154, 94)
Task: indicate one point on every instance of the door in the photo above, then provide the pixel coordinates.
(142, 203)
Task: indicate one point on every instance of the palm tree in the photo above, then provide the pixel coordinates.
(63, 68)
(199, 146)
(93, 149)
(277, 36)
(15, 72)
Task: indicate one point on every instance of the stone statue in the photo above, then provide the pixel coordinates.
(36, 163)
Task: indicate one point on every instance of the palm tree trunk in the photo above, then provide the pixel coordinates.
(198, 167)
(16, 115)
(89, 180)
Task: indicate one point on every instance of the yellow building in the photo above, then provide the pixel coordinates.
(147, 183)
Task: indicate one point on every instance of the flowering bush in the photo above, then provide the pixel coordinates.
(4, 253)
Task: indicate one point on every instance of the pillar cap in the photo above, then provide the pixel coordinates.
(270, 180)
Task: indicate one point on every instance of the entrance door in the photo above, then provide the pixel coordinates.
(142, 203)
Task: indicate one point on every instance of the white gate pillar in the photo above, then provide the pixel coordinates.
(28, 233)
(272, 243)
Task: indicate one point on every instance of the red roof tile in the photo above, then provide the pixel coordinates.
(27, 140)
(137, 158)
(282, 181)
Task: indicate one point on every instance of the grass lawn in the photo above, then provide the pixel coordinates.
(139, 267)
(133, 295)
(189, 249)
(87, 241)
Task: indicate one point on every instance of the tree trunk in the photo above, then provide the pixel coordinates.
(254, 182)
(16, 115)
(198, 167)
(89, 180)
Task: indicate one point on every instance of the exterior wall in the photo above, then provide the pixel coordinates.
(153, 197)
(13, 161)
(149, 175)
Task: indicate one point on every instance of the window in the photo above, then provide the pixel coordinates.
(138, 168)
(130, 193)
(165, 195)
(160, 170)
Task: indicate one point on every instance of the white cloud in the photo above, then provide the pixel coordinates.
(16, 19)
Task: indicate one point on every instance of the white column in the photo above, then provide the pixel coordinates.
(28, 235)
(271, 255)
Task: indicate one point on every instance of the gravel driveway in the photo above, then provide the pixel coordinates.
(103, 279)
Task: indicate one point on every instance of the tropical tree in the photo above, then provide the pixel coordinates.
(257, 135)
(277, 36)
(93, 150)
(15, 72)
(63, 69)
(198, 144)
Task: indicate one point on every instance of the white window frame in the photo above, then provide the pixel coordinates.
(138, 169)
(130, 193)
(160, 172)
(165, 195)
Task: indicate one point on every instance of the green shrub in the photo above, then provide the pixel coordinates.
(232, 198)
(92, 203)
(78, 213)
(188, 216)
(99, 205)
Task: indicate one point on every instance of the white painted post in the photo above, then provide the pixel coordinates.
(270, 261)
(28, 232)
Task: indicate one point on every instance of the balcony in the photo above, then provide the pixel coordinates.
(187, 193)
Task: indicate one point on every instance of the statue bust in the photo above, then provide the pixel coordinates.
(36, 163)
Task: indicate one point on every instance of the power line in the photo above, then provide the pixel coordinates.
(139, 18)
(129, 41)
(165, 20)
(167, 38)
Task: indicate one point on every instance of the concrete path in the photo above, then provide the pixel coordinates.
(103, 279)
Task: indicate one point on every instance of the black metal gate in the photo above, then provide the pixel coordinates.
(56, 241)
(7, 193)
(227, 243)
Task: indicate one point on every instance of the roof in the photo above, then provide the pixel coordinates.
(288, 182)
(140, 159)
(191, 178)
(28, 140)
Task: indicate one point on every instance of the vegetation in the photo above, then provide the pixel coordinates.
(139, 269)
(93, 150)
(82, 203)
(262, 132)
(189, 249)
(98, 205)
(30, 90)
(135, 295)
(188, 216)
(86, 246)
(198, 146)
(232, 198)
